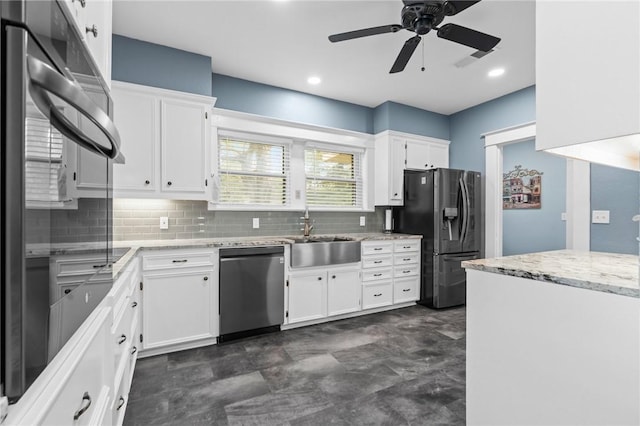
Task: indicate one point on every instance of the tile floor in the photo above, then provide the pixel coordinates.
(400, 367)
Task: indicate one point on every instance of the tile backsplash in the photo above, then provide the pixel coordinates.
(140, 220)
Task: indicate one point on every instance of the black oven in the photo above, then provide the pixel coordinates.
(55, 111)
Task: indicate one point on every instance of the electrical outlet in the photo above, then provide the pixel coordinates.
(362, 220)
(164, 222)
(256, 222)
(600, 216)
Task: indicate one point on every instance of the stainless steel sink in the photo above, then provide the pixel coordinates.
(319, 251)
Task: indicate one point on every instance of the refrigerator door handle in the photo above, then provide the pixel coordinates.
(465, 209)
(449, 258)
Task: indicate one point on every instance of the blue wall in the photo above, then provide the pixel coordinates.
(139, 62)
(467, 146)
(534, 230)
(615, 190)
(261, 99)
(404, 118)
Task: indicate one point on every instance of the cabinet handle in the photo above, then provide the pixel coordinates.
(405, 272)
(93, 30)
(134, 304)
(377, 248)
(333, 277)
(319, 278)
(86, 403)
(377, 261)
(67, 291)
(169, 183)
(134, 350)
(99, 266)
(147, 182)
(377, 295)
(83, 3)
(406, 247)
(180, 261)
(406, 259)
(121, 404)
(122, 339)
(406, 289)
(377, 275)
(395, 194)
(206, 278)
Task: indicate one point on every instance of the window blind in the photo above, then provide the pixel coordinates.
(253, 171)
(333, 178)
(44, 168)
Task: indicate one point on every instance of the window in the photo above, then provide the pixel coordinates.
(253, 170)
(333, 178)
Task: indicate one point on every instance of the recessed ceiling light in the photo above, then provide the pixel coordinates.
(496, 72)
(314, 80)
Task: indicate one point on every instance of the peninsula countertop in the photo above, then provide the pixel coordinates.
(605, 272)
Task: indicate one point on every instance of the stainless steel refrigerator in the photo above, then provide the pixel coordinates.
(444, 206)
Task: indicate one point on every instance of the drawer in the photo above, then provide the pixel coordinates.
(377, 274)
(377, 294)
(121, 398)
(178, 259)
(80, 266)
(406, 245)
(405, 289)
(121, 336)
(376, 261)
(406, 271)
(376, 247)
(406, 259)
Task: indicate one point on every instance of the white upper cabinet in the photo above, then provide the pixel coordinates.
(165, 140)
(587, 80)
(395, 152)
(93, 19)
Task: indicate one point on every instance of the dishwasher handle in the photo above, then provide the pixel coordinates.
(250, 251)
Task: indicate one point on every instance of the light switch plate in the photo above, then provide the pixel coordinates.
(256, 222)
(563, 216)
(164, 222)
(362, 220)
(600, 216)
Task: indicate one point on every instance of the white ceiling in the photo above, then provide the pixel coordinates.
(281, 43)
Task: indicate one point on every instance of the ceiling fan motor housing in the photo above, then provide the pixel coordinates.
(420, 16)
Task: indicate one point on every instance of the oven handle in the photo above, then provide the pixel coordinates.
(44, 79)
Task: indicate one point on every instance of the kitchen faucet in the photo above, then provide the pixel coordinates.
(307, 227)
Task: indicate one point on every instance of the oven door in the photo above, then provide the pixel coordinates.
(55, 108)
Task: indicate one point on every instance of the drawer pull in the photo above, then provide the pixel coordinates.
(206, 278)
(67, 291)
(134, 304)
(377, 261)
(377, 248)
(405, 272)
(377, 275)
(406, 247)
(86, 403)
(377, 295)
(406, 259)
(122, 339)
(406, 289)
(134, 350)
(99, 266)
(180, 261)
(120, 404)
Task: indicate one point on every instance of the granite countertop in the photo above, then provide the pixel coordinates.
(135, 246)
(606, 272)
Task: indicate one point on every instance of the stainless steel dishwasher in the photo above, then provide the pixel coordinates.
(251, 291)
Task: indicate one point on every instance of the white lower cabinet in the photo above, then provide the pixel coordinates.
(405, 290)
(377, 294)
(179, 300)
(316, 293)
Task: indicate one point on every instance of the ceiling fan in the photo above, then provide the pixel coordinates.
(421, 17)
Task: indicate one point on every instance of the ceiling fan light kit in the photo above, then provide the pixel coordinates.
(421, 17)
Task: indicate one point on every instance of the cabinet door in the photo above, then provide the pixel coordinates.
(136, 116)
(397, 166)
(307, 297)
(97, 30)
(344, 289)
(177, 308)
(184, 142)
(418, 155)
(438, 155)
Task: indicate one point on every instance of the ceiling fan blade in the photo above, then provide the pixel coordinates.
(455, 7)
(405, 54)
(468, 37)
(364, 32)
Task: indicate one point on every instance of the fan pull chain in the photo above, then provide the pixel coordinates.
(422, 40)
